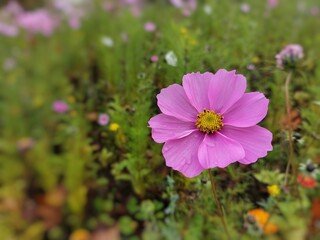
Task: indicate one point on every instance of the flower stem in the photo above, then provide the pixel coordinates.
(220, 212)
(290, 131)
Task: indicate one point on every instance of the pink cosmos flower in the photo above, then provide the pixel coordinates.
(150, 27)
(210, 122)
(103, 119)
(289, 56)
(60, 107)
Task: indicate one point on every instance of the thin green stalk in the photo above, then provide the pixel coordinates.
(220, 212)
(290, 131)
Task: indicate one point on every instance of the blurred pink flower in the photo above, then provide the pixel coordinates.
(74, 22)
(154, 58)
(135, 6)
(315, 11)
(60, 107)
(273, 3)
(251, 67)
(8, 30)
(8, 14)
(38, 21)
(72, 12)
(9, 64)
(245, 7)
(210, 122)
(13, 8)
(103, 119)
(187, 6)
(150, 27)
(289, 56)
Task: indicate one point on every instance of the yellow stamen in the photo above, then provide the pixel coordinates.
(209, 122)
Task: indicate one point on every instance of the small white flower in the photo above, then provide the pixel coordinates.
(107, 41)
(171, 58)
(207, 9)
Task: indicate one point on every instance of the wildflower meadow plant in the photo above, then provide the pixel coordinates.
(289, 56)
(288, 60)
(210, 122)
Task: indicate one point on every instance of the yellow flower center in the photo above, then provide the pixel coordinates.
(209, 122)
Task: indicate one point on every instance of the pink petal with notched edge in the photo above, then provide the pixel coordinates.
(248, 111)
(225, 89)
(174, 102)
(165, 128)
(182, 154)
(217, 150)
(255, 140)
(196, 87)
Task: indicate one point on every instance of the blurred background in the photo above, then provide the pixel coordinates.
(79, 80)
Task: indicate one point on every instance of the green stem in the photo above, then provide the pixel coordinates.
(290, 131)
(220, 212)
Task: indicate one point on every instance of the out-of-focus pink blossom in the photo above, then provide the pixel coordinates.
(150, 27)
(103, 119)
(108, 6)
(154, 58)
(38, 21)
(8, 14)
(72, 12)
(245, 8)
(60, 107)
(74, 22)
(273, 3)
(251, 67)
(186, 6)
(315, 11)
(13, 8)
(8, 30)
(289, 56)
(9, 64)
(135, 6)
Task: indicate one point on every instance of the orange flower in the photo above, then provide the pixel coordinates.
(262, 220)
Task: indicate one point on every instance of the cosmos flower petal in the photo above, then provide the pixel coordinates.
(196, 87)
(225, 89)
(165, 128)
(182, 154)
(217, 150)
(255, 140)
(174, 102)
(248, 111)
